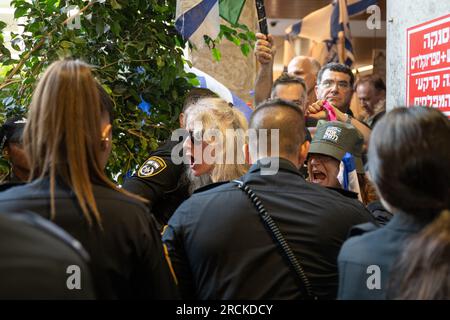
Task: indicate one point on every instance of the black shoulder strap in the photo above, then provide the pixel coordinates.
(282, 245)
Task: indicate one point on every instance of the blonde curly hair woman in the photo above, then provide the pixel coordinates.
(217, 134)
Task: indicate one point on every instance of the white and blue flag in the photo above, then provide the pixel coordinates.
(347, 176)
(196, 18)
(330, 25)
(208, 82)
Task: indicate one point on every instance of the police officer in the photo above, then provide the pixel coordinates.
(408, 258)
(159, 180)
(68, 151)
(219, 247)
(37, 260)
(12, 150)
(292, 88)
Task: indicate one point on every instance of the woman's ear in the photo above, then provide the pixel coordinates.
(106, 132)
(106, 135)
(181, 119)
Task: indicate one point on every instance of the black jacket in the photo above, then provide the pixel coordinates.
(364, 257)
(36, 258)
(161, 182)
(221, 250)
(127, 258)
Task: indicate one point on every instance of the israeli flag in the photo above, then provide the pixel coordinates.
(358, 6)
(208, 82)
(196, 18)
(347, 176)
(341, 35)
(330, 25)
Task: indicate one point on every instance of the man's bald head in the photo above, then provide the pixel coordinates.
(284, 116)
(306, 68)
(300, 65)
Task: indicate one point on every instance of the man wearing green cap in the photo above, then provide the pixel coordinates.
(330, 144)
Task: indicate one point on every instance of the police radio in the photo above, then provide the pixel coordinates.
(262, 21)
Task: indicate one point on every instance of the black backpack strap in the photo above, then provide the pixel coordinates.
(282, 245)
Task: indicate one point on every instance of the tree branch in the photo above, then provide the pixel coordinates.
(42, 41)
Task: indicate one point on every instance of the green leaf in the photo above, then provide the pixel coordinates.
(115, 28)
(245, 49)
(194, 82)
(251, 35)
(2, 25)
(115, 5)
(226, 29)
(20, 12)
(216, 54)
(79, 41)
(15, 43)
(242, 26)
(191, 75)
(100, 27)
(160, 62)
(65, 44)
(243, 36)
(33, 27)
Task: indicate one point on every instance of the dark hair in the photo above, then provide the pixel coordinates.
(196, 94)
(286, 78)
(423, 268)
(374, 80)
(11, 131)
(277, 102)
(409, 160)
(291, 128)
(336, 67)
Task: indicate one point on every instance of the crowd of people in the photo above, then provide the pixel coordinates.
(355, 208)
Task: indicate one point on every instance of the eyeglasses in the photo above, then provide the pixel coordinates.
(195, 136)
(330, 83)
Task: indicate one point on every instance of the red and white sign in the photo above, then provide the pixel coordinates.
(428, 59)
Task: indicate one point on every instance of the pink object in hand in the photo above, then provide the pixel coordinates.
(330, 111)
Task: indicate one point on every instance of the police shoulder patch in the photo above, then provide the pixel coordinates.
(152, 167)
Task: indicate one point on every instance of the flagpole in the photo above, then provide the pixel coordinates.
(262, 21)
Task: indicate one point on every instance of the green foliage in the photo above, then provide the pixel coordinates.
(133, 48)
(136, 54)
(239, 34)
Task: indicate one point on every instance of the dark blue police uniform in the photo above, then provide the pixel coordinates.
(127, 257)
(220, 249)
(160, 181)
(365, 260)
(35, 256)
